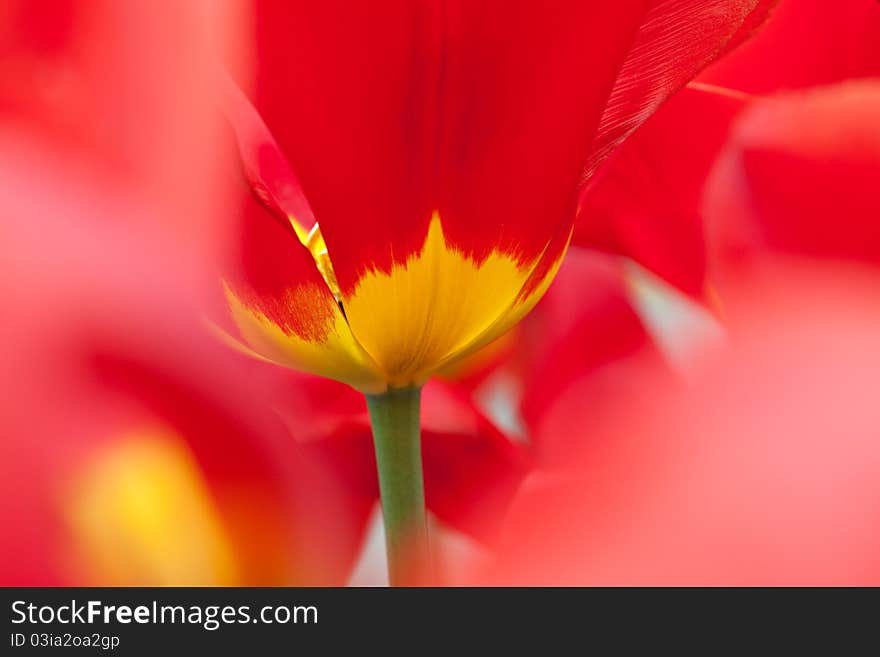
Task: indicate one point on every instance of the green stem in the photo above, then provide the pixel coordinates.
(394, 416)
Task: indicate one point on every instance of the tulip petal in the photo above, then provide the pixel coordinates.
(585, 332)
(677, 39)
(283, 308)
(761, 472)
(265, 167)
(805, 43)
(471, 470)
(124, 357)
(531, 292)
(439, 118)
(644, 202)
(799, 177)
(437, 180)
(444, 164)
(416, 320)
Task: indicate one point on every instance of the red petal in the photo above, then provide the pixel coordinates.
(265, 166)
(120, 91)
(390, 111)
(584, 330)
(272, 263)
(443, 115)
(762, 471)
(805, 43)
(676, 40)
(645, 202)
(799, 177)
(283, 310)
(470, 469)
(122, 353)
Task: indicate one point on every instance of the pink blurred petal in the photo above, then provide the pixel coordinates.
(764, 471)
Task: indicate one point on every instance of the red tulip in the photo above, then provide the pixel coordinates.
(441, 148)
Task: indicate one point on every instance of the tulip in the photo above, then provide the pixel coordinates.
(423, 165)
(428, 164)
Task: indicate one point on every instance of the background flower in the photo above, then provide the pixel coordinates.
(133, 450)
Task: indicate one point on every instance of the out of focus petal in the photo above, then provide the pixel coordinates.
(798, 178)
(585, 333)
(121, 91)
(471, 470)
(645, 202)
(764, 471)
(152, 433)
(805, 43)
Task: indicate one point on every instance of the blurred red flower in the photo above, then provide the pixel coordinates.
(764, 472)
(133, 451)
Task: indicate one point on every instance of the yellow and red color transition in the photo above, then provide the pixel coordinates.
(442, 146)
